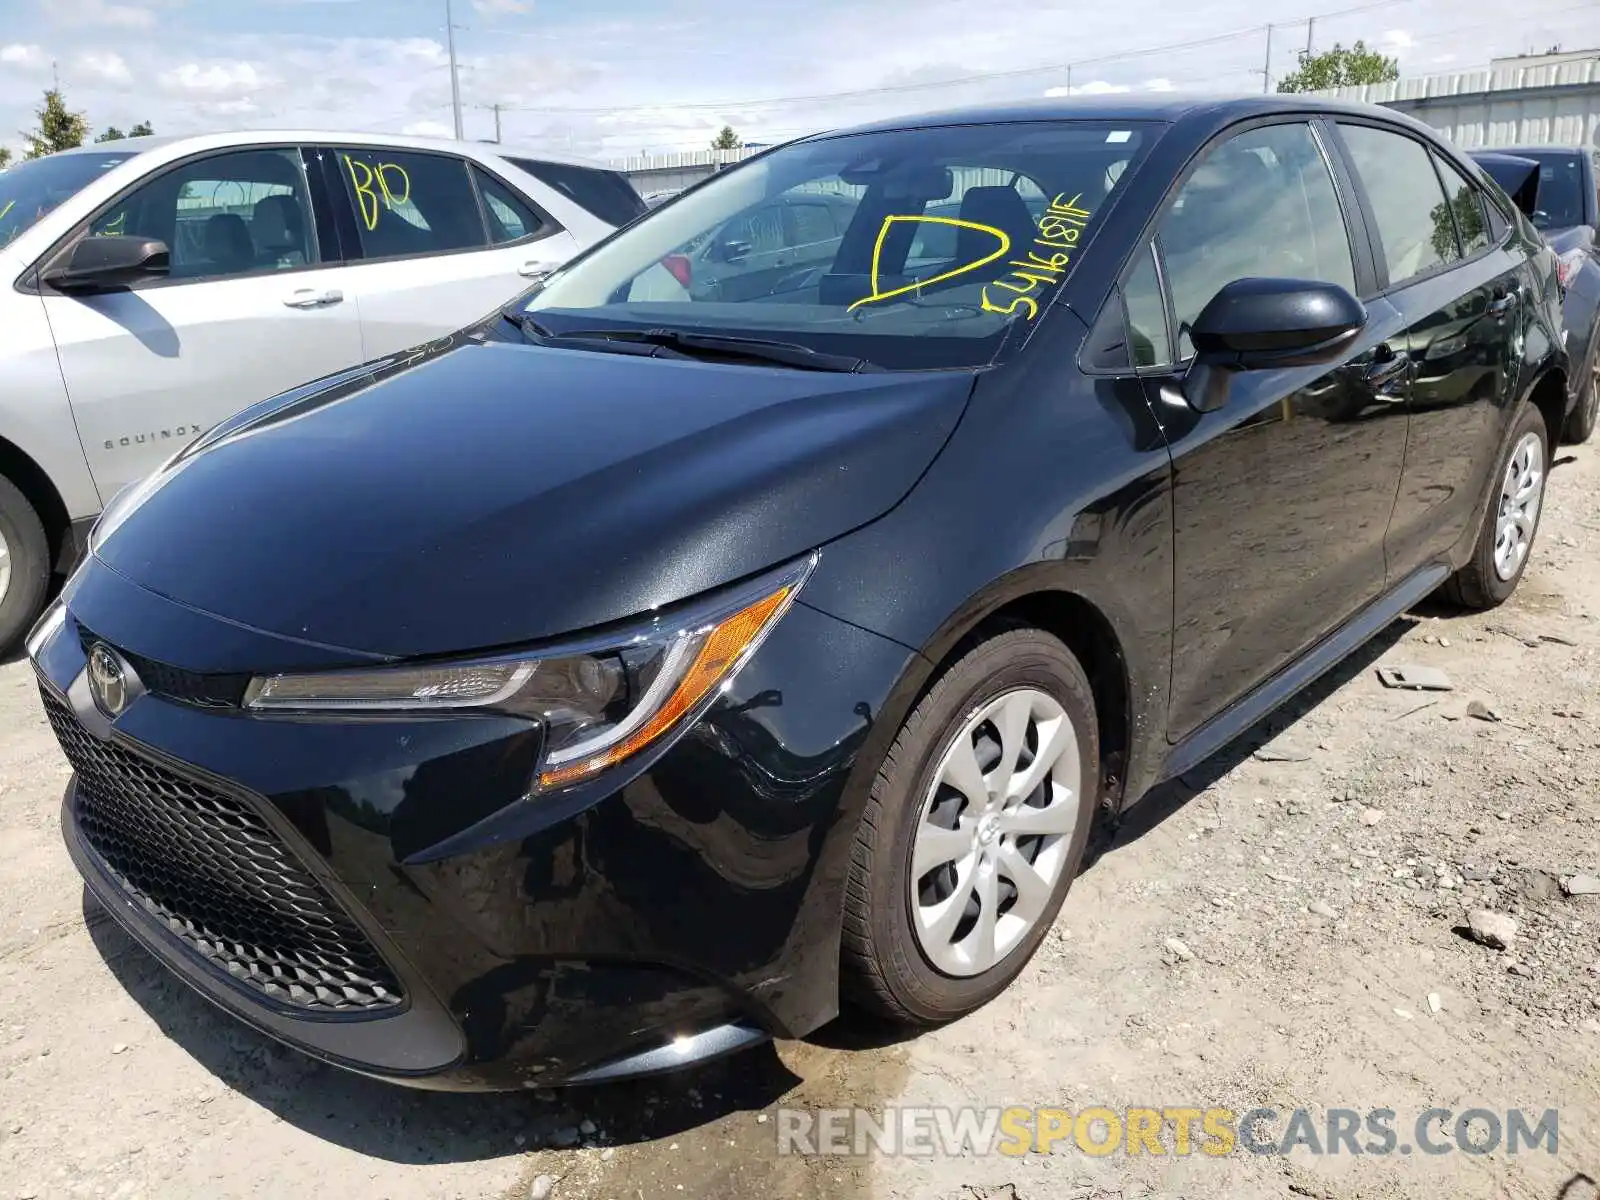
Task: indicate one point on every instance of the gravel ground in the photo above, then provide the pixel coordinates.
(1285, 928)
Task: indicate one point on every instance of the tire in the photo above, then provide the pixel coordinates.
(24, 565)
(1482, 584)
(1581, 422)
(888, 968)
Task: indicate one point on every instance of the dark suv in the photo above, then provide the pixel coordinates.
(634, 674)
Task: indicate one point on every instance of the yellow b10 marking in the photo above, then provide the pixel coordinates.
(367, 195)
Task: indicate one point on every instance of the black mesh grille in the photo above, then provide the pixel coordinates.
(209, 868)
(190, 687)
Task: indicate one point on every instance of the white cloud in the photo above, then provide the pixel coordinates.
(1397, 39)
(1098, 87)
(1158, 85)
(427, 129)
(499, 7)
(215, 79)
(104, 66)
(24, 57)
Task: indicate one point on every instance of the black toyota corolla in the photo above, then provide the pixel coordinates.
(634, 674)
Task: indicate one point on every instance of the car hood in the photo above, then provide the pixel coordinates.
(474, 494)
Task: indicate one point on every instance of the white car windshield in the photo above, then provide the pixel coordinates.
(911, 248)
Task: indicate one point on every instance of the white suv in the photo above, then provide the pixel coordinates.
(157, 285)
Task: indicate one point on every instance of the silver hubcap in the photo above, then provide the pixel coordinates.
(1520, 493)
(994, 831)
(5, 568)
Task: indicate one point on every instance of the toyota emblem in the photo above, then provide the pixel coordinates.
(108, 679)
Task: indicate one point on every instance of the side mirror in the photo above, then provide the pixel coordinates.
(1261, 324)
(107, 263)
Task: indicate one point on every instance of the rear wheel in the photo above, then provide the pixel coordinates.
(974, 830)
(1580, 424)
(1506, 539)
(24, 565)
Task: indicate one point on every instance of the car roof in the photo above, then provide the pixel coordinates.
(1577, 150)
(1127, 106)
(265, 137)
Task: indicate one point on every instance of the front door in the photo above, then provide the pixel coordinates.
(1457, 291)
(248, 310)
(1282, 496)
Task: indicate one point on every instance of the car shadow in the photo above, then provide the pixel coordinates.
(411, 1126)
(1165, 799)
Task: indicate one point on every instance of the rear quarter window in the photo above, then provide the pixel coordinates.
(604, 194)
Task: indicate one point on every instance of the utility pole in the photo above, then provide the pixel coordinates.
(497, 124)
(455, 77)
(1311, 26)
(1266, 67)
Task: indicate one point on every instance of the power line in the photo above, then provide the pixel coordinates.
(980, 77)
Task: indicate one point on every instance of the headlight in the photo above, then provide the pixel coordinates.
(600, 701)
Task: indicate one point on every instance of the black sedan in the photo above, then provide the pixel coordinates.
(639, 673)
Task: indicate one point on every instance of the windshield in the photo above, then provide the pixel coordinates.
(1560, 187)
(912, 249)
(31, 189)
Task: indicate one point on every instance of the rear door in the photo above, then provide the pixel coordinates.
(1282, 496)
(256, 302)
(1459, 294)
(434, 242)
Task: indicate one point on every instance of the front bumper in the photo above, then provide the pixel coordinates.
(674, 914)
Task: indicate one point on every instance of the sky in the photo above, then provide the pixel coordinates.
(610, 78)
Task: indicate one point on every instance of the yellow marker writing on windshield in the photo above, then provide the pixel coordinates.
(1003, 247)
(10, 204)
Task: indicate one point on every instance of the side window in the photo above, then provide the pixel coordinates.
(760, 231)
(509, 216)
(1261, 204)
(1147, 314)
(812, 223)
(1414, 221)
(230, 214)
(1466, 206)
(408, 203)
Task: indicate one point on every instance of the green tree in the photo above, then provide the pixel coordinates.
(112, 134)
(59, 127)
(142, 129)
(727, 139)
(1340, 67)
(5, 157)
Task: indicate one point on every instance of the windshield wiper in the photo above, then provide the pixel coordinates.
(708, 345)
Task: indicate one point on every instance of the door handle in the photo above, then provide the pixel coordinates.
(536, 270)
(1501, 304)
(1388, 369)
(311, 298)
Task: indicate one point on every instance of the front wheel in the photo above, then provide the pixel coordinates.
(24, 565)
(973, 832)
(1506, 538)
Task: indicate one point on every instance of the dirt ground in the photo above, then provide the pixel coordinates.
(1315, 889)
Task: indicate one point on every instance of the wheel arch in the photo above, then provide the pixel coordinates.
(1038, 597)
(1549, 395)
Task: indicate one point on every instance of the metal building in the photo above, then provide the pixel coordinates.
(1549, 99)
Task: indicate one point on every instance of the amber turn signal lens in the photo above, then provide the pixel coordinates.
(721, 651)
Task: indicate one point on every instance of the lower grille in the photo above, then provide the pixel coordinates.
(206, 866)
